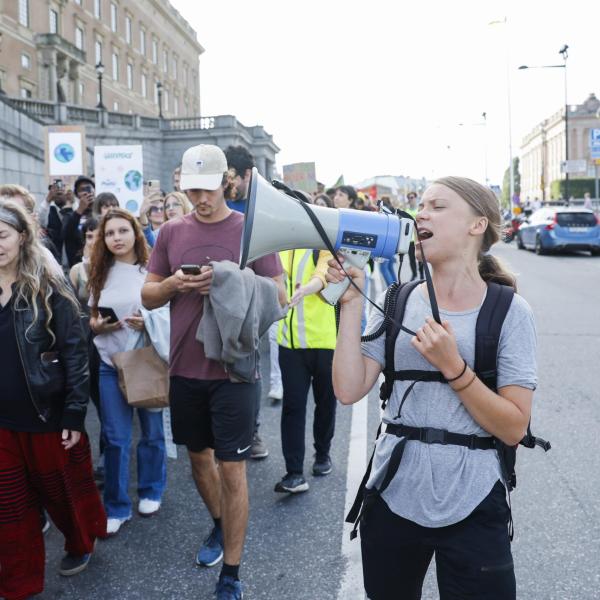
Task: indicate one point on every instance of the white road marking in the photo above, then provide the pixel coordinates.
(351, 587)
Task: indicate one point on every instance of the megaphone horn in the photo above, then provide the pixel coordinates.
(275, 221)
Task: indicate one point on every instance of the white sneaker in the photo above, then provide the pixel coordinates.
(148, 507)
(113, 525)
(276, 393)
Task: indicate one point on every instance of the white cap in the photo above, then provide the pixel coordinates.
(202, 168)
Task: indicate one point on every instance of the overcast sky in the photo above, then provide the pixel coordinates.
(380, 87)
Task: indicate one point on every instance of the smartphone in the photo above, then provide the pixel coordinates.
(154, 185)
(108, 313)
(58, 183)
(190, 269)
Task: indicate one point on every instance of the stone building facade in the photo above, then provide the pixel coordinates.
(49, 50)
(543, 149)
(163, 141)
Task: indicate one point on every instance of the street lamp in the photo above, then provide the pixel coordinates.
(2, 92)
(159, 88)
(564, 53)
(485, 158)
(100, 72)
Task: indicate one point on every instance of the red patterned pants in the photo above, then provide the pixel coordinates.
(35, 472)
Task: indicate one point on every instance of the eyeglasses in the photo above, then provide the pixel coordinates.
(156, 209)
(173, 205)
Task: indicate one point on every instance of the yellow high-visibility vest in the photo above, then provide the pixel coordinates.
(310, 324)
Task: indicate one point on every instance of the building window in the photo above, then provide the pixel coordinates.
(25, 93)
(166, 100)
(156, 92)
(24, 12)
(78, 2)
(175, 106)
(144, 85)
(79, 37)
(143, 41)
(113, 16)
(98, 50)
(25, 61)
(165, 60)
(115, 66)
(130, 76)
(128, 29)
(116, 106)
(81, 92)
(53, 21)
(98, 9)
(174, 67)
(185, 75)
(155, 51)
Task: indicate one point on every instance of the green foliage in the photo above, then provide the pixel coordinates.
(577, 187)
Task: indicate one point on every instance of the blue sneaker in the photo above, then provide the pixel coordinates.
(211, 551)
(229, 588)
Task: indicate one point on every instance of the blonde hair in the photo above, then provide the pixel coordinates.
(10, 191)
(35, 278)
(182, 198)
(484, 204)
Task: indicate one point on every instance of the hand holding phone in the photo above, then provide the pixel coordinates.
(190, 269)
(108, 314)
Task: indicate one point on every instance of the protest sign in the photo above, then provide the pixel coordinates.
(119, 169)
(301, 176)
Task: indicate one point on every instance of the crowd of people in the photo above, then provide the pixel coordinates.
(78, 278)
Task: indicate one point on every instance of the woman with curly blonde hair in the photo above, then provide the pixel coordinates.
(45, 459)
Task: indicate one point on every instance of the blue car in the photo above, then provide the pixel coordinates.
(555, 229)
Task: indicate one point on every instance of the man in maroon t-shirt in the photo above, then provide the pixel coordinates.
(210, 415)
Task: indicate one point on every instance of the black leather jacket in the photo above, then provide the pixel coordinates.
(57, 375)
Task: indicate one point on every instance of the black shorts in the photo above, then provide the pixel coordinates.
(473, 557)
(215, 414)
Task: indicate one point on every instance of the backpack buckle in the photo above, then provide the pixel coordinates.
(430, 435)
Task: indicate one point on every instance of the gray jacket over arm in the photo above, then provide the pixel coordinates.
(239, 310)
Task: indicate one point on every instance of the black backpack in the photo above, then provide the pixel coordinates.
(487, 336)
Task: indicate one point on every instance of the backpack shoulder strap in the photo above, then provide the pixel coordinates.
(397, 308)
(487, 331)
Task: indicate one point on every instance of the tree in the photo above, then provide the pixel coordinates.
(506, 201)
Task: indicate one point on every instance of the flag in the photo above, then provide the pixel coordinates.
(340, 181)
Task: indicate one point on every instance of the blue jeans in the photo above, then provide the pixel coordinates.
(117, 420)
(388, 270)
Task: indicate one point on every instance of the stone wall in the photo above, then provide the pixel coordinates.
(21, 150)
(163, 143)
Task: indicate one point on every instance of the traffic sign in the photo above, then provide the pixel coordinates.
(595, 143)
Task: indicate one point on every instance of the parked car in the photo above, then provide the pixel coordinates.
(552, 229)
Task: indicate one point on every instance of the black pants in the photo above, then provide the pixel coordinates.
(473, 558)
(298, 368)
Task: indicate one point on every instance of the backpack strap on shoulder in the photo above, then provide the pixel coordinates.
(487, 331)
(397, 308)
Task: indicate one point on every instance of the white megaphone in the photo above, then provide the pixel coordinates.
(275, 221)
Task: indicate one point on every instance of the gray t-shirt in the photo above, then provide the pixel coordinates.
(439, 485)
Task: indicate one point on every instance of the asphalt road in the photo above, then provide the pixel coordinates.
(294, 544)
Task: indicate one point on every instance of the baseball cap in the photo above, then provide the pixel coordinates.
(202, 168)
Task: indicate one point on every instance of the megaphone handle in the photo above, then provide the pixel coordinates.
(357, 258)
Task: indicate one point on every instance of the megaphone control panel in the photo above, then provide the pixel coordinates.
(354, 238)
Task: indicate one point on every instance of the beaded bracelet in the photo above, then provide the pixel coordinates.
(464, 387)
(461, 373)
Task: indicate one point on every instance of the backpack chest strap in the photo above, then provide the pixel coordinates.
(415, 375)
(430, 435)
